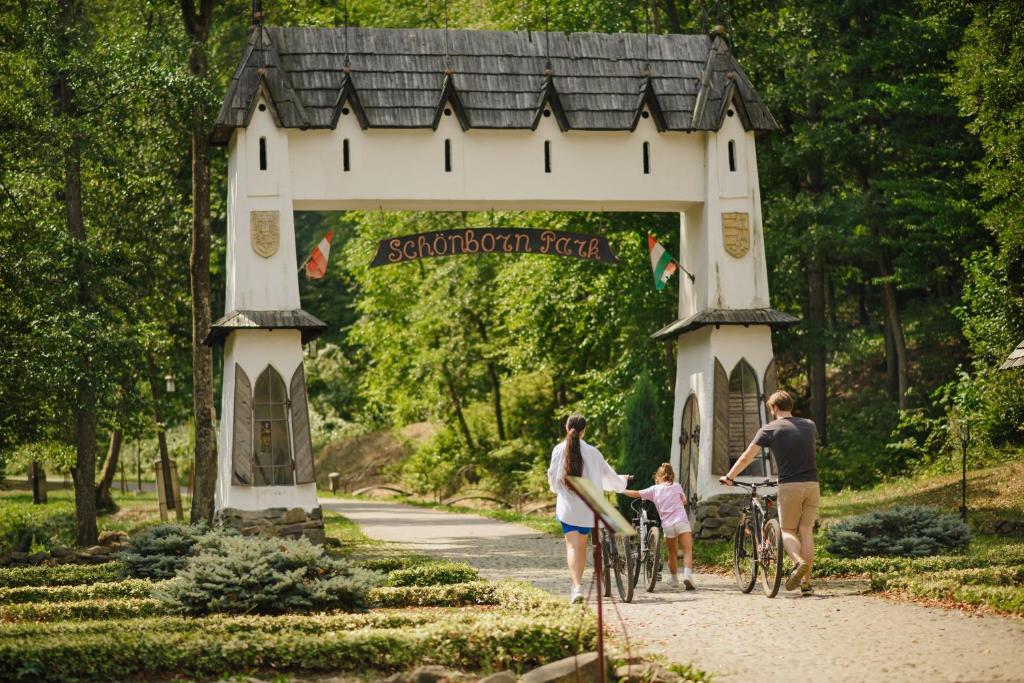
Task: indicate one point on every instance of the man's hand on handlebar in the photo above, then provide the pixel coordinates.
(724, 479)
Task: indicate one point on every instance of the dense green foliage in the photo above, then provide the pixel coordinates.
(26, 527)
(256, 575)
(644, 447)
(910, 531)
(160, 551)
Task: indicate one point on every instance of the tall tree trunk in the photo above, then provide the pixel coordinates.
(675, 24)
(37, 477)
(895, 325)
(161, 436)
(493, 375)
(84, 410)
(816, 355)
(453, 395)
(833, 323)
(863, 319)
(197, 27)
(105, 501)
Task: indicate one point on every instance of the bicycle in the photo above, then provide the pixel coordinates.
(757, 547)
(617, 558)
(647, 546)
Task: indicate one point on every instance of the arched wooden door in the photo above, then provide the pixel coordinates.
(689, 442)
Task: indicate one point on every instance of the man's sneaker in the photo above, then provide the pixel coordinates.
(576, 595)
(799, 574)
(673, 581)
(806, 589)
(688, 580)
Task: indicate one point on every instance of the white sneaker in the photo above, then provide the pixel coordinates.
(673, 581)
(576, 595)
(688, 580)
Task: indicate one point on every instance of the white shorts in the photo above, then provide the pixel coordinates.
(673, 530)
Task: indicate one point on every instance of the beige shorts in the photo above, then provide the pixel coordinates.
(677, 529)
(798, 504)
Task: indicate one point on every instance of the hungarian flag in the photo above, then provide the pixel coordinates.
(662, 263)
(316, 264)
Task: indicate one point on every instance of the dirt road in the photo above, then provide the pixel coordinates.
(838, 635)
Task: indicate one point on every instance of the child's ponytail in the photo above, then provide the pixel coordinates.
(573, 456)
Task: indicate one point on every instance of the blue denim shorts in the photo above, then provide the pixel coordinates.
(566, 528)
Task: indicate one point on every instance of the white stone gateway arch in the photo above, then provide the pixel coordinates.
(357, 118)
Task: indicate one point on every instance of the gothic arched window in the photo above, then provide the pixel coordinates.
(272, 440)
(744, 415)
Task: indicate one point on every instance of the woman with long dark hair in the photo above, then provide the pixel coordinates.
(574, 457)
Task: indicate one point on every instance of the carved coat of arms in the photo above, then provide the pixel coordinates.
(264, 226)
(736, 234)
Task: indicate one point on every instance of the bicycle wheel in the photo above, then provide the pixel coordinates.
(744, 556)
(652, 561)
(770, 557)
(624, 554)
(607, 561)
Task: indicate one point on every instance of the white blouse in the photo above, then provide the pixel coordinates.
(570, 508)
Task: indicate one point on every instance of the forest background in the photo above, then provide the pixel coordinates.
(892, 204)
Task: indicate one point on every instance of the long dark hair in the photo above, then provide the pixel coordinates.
(572, 456)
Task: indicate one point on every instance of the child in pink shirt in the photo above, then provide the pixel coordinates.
(670, 500)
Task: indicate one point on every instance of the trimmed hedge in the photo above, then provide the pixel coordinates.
(390, 564)
(129, 588)
(473, 640)
(125, 608)
(60, 575)
(999, 588)
(455, 595)
(433, 574)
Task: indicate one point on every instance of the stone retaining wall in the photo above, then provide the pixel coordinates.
(280, 522)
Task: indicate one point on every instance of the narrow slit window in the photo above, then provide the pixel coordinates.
(547, 156)
(447, 156)
(263, 154)
(732, 156)
(647, 158)
(346, 162)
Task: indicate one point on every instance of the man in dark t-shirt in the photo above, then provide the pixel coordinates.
(792, 441)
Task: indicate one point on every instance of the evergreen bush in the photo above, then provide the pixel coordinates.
(433, 574)
(256, 575)
(160, 551)
(643, 446)
(907, 531)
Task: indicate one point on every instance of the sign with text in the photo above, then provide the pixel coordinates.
(493, 241)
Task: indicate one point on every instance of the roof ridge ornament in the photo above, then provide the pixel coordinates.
(347, 93)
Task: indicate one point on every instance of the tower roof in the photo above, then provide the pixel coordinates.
(402, 78)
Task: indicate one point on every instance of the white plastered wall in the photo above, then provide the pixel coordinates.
(397, 169)
(253, 350)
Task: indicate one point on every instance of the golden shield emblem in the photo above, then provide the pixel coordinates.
(264, 227)
(736, 234)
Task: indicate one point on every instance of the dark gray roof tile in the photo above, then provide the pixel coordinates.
(498, 76)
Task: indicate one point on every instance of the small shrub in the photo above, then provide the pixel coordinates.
(456, 595)
(909, 531)
(121, 608)
(159, 552)
(433, 574)
(24, 526)
(255, 575)
(390, 564)
(60, 575)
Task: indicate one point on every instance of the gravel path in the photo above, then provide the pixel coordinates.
(837, 635)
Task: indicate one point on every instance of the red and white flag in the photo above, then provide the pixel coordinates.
(316, 264)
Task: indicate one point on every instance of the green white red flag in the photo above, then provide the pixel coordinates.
(316, 264)
(662, 262)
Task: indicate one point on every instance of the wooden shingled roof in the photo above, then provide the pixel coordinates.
(403, 78)
(309, 325)
(726, 316)
(1016, 359)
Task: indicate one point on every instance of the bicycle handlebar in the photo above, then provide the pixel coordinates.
(766, 482)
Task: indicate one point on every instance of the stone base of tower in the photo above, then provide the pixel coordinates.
(718, 517)
(276, 522)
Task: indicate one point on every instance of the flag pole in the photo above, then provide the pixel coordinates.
(680, 266)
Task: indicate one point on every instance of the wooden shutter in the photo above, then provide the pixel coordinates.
(771, 379)
(302, 442)
(720, 443)
(241, 435)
